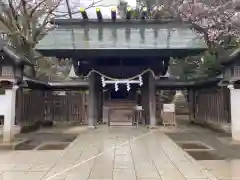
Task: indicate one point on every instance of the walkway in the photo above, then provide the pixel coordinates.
(129, 154)
(222, 159)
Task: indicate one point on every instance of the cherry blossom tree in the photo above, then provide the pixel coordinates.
(24, 22)
(215, 20)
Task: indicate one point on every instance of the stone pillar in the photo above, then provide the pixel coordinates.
(191, 104)
(9, 114)
(152, 101)
(235, 113)
(92, 105)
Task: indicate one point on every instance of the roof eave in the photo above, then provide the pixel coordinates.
(117, 21)
(230, 59)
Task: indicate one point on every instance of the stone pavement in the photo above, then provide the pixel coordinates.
(115, 153)
(227, 164)
(223, 169)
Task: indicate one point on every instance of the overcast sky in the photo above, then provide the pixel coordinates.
(105, 5)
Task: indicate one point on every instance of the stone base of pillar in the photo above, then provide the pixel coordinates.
(105, 115)
(92, 127)
(7, 136)
(236, 135)
(9, 114)
(152, 127)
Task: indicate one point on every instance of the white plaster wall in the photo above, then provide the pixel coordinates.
(7, 106)
(3, 100)
(235, 113)
(7, 109)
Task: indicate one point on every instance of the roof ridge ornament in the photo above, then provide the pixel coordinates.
(144, 14)
(99, 14)
(114, 13)
(129, 13)
(84, 13)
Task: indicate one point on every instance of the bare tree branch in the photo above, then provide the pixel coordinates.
(45, 22)
(93, 4)
(69, 9)
(36, 7)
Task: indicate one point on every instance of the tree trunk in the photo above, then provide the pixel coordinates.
(28, 52)
(30, 55)
(30, 71)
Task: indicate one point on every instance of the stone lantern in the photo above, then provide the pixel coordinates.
(11, 76)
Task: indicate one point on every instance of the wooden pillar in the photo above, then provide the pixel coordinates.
(96, 98)
(85, 101)
(92, 103)
(100, 100)
(191, 104)
(19, 106)
(152, 100)
(100, 104)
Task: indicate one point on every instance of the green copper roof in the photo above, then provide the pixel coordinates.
(154, 36)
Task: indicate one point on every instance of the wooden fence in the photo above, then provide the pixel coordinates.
(210, 105)
(206, 105)
(40, 105)
(30, 106)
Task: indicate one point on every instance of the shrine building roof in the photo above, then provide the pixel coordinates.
(88, 38)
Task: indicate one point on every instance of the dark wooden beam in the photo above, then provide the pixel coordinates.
(123, 53)
(117, 21)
